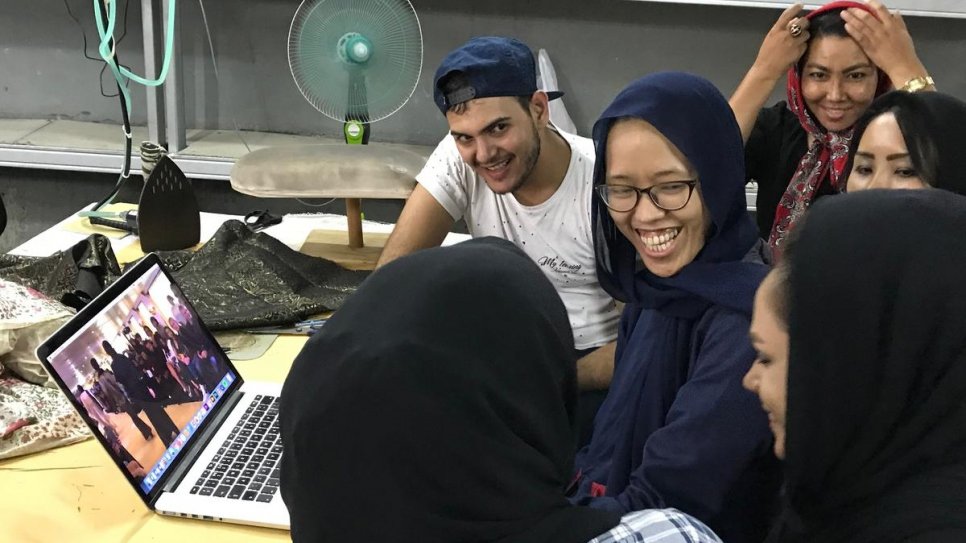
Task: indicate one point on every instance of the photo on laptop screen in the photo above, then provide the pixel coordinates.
(146, 373)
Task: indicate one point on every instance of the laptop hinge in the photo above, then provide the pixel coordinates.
(188, 457)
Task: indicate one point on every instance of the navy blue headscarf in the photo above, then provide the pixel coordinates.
(710, 440)
(693, 115)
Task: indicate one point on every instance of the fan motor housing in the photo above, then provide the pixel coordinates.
(354, 48)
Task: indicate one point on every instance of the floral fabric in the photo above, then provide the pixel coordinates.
(33, 417)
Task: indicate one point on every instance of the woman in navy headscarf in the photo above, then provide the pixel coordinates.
(675, 243)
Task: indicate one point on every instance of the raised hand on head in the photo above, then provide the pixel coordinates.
(884, 38)
(784, 44)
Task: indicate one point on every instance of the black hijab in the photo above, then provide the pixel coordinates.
(876, 424)
(438, 405)
(933, 125)
(691, 113)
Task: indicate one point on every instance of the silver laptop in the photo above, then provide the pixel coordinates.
(191, 437)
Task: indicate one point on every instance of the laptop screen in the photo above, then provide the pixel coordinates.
(145, 371)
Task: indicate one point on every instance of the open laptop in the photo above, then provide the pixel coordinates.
(192, 438)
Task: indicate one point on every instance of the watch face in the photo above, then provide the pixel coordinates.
(917, 84)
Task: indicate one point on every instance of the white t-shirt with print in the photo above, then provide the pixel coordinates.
(556, 234)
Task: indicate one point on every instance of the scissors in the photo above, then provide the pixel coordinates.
(262, 219)
(304, 328)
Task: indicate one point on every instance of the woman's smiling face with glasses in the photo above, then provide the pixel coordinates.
(651, 194)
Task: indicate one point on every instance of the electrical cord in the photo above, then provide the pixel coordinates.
(126, 169)
(323, 204)
(106, 18)
(100, 61)
(111, 46)
(105, 29)
(127, 5)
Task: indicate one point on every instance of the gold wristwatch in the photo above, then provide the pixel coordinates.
(916, 84)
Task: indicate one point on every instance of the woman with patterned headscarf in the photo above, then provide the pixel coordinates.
(838, 59)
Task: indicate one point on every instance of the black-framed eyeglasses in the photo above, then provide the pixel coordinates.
(669, 196)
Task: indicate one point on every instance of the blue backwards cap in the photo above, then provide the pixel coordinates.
(494, 66)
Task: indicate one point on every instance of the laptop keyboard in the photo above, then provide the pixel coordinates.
(245, 467)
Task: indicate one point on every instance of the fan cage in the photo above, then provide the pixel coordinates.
(341, 91)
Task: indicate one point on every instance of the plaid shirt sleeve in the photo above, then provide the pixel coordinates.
(658, 526)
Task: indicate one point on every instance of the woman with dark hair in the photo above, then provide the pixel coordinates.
(837, 58)
(676, 245)
(864, 377)
(449, 418)
(908, 140)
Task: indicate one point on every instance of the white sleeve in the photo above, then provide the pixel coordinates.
(446, 176)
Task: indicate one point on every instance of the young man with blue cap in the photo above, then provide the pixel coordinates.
(508, 172)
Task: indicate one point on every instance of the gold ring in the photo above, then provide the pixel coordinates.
(795, 30)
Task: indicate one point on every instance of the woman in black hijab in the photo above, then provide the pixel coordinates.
(875, 431)
(438, 405)
(910, 140)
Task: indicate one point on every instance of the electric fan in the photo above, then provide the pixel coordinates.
(356, 61)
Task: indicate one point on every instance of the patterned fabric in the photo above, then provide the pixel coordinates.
(658, 526)
(23, 306)
(826, 158)
(32, 417)
(244, 279)
(27, 317)
(827, 154)
(35, 418)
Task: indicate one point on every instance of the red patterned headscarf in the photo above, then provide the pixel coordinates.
(826, 156)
